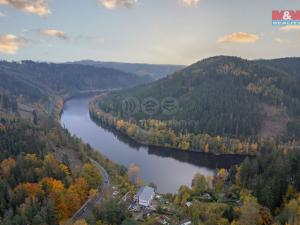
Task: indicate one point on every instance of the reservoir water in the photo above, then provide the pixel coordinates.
(167, 168)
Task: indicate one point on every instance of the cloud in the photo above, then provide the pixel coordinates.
(55, 33)
(2, 14)
(10, 44)
(112, 4)
(190, 2)
(289, 28)
(38, 7)
(239, 37)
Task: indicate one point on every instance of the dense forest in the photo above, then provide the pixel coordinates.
(45, 173)
(7, 104)
(225, 97)
(261, 191)
(62, 78)
(36, 187)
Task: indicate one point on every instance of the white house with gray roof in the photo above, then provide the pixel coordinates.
(145, 196)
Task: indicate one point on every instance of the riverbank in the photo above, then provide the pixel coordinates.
(159, 135)
(59, 102)
(168, 169)
(121, 180)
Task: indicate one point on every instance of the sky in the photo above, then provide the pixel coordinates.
(144, 31)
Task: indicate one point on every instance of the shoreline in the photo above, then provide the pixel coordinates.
(119, 131)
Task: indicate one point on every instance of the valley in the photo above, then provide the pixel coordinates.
(228, 109)
(149, 112)
(122, 150)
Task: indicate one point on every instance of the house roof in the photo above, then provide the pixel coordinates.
(188, 204)
(145, 193)
(185, 221)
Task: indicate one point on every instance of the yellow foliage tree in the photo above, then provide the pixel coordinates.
(253, 148)
(64, 169)
(80, 222)
(199, 184)
(92, 175)
(206, 148)
(120, 124)
(6, 166)
(31, 189)
(183, 194)
(220, 179)
(51, 185)
(249, 211)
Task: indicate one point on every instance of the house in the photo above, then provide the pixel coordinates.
(145, 196)
(186, 222)
(206, 196)
(188, 204)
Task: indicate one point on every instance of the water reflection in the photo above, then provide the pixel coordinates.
(167, 168)
(208, 160)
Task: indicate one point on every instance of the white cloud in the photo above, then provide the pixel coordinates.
(190, 2)
(112, 4)
(289, 28)
(10, 44)
(38, 7)
(2, 14)
(55, 33)
(239, 37)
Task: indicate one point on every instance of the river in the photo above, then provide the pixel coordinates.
(167, 168)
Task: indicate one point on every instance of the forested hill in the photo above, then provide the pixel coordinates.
(289, 65)
(45, 172)
(224, 95)
(61, 78)
(153, 71)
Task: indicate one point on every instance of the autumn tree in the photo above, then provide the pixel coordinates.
(220, 179)
(183, 195)
(29, 189)
(92, 175)
(199, 184)
(249, 212)
(80, 222)
(291, 212)
(111, 212)
(6, 166)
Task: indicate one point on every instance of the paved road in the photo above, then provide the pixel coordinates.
(88, 205)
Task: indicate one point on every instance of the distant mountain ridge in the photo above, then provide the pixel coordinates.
(33, 78)
(155, 71)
